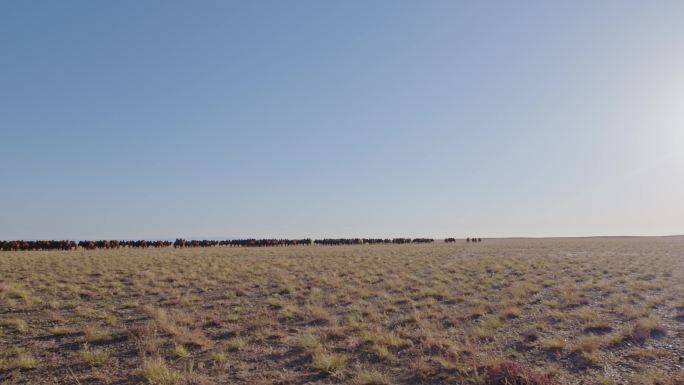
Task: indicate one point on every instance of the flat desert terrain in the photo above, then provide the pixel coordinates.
(518, 311)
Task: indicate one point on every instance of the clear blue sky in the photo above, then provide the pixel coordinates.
(132, 119)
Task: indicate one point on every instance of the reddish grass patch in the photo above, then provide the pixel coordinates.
(513, 373)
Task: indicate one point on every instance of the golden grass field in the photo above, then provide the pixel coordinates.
(553, 311)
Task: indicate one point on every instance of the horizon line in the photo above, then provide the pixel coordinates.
(330, 237)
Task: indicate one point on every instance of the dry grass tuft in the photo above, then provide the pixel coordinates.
(554, 344)
(93, 333)
(17, 324)
(587, 344)
(93, 357)
(647, 327)
(510, 312)
(235, 344)
(23, 359)
(371, 377)
(157, 372)
(180, 351)
(329, 363)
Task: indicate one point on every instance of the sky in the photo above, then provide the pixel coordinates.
(157, 119)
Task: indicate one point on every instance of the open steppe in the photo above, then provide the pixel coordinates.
(526, 311)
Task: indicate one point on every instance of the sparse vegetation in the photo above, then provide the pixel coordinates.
(530, 312)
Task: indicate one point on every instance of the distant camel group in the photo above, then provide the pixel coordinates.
(37, 245)
(180, 242)
(183, 243)
(72, 245)
(114, 244)
(370, 241)
(468, 240)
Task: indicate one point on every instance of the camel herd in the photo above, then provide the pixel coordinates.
(468, 240)
(183, 243)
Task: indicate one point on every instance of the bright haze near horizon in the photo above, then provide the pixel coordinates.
(156, 119)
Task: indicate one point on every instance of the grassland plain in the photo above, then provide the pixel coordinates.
(565, 311)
